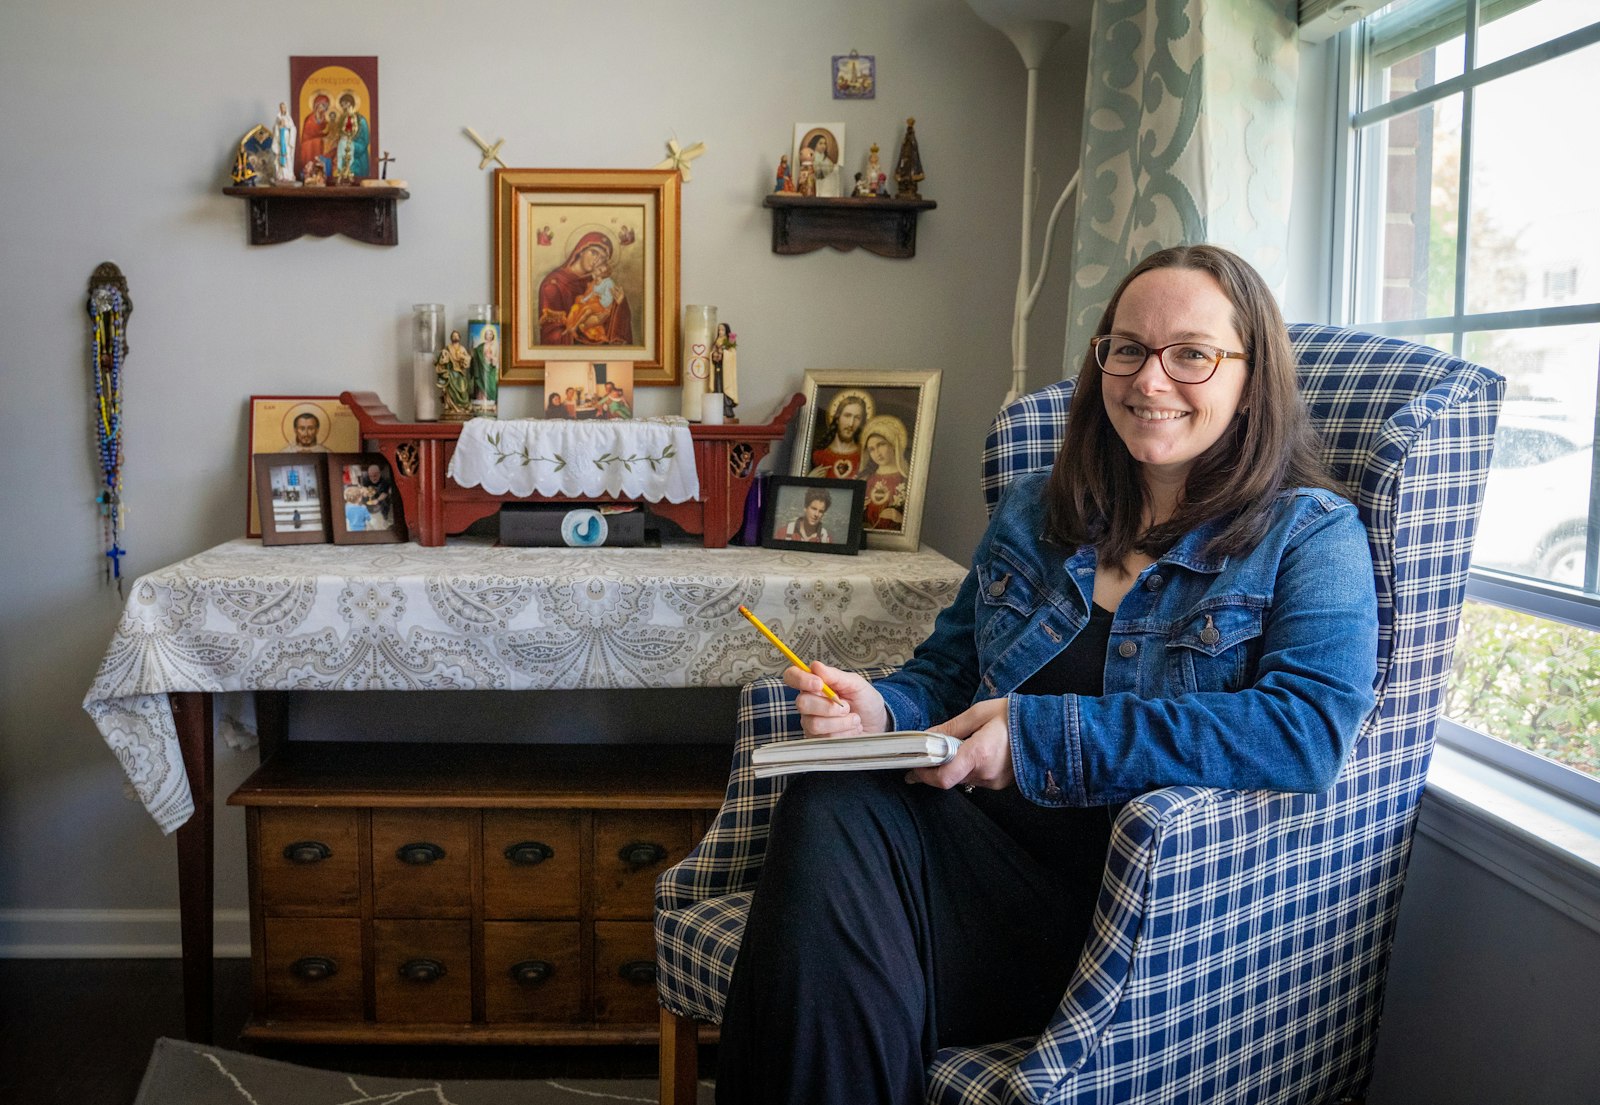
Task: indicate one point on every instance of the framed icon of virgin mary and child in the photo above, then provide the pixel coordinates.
(586, 269)
(877, 427)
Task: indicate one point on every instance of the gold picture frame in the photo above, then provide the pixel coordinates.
(845, 408)
(555, 231)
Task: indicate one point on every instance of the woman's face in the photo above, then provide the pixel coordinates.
(1165, 424)
(879, 449)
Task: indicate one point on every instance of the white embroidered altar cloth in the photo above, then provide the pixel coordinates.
(646, 458)
(474, 616)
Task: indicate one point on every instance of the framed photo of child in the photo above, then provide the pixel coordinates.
(293, 495)
(365, 503)
(586, 270)
(813, 515)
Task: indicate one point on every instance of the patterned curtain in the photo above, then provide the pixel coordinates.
(1188, 136)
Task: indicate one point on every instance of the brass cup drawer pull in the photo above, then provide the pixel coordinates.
(640, 972)
(528, 853)
(419, 854)
(641, 854)
(307, 851)
(313, 968)
(422, 970)
(531, 972)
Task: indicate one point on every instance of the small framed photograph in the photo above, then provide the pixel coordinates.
(586, 267)
(295, 424)
(818, 158)
(293, 499)
(589, 389)
(334, 101)
(874, 426)
(365, 504)
(813, 515)
(854, 76)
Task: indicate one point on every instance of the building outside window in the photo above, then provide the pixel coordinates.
(1472, 223)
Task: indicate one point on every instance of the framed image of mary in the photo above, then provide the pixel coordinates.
(876, 427)
(586, 270)
(334, 102)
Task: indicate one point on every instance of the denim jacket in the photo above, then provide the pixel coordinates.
(1251, 671)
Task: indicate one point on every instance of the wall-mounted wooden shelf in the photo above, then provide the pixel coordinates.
(881, 225)
(281, 214)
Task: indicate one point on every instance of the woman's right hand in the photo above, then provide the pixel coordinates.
(860, 708)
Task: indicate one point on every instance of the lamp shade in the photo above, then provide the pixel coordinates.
(1033, 26)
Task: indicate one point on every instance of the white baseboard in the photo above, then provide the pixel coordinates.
(113, 934)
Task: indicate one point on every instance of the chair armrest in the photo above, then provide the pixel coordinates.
(728, 859)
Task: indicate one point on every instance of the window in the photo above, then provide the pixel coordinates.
(1472, 215)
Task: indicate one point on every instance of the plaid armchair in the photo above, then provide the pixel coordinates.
(1241, 938)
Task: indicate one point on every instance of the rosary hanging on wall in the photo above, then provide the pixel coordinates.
(109, 308)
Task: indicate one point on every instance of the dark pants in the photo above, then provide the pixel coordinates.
(892, 920)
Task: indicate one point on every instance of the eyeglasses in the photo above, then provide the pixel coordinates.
(1186, 362)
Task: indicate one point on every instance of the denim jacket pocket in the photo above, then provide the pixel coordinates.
(1215, 648)
(1007, 597)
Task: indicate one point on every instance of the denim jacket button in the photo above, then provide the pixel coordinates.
(1053, 793)
(1154, 582)
(998, 587)
(1127, 649)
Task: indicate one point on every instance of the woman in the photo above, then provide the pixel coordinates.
(565, 284)
(884, 439)
(554, 407)
(1183, 599)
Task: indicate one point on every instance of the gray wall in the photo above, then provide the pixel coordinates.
(115, 144)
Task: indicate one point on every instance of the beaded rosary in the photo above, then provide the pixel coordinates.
(109, 308)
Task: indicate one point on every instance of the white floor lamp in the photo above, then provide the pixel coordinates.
(1033, 27)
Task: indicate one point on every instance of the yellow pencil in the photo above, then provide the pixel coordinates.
(783, 648)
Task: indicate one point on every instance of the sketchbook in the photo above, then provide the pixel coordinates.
(908, 749)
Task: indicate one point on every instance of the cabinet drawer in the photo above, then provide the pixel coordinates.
(625, 973)
(422, 863)
(313, 969)
(630, 850)
(423, 971)
(532, 971)
(310, 863)
(530, 863)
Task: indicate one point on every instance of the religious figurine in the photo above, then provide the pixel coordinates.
(253, 165)
(725, 368)
(805, 181)
(315, 177)
(455, 384)
(284, 142)
(861, 188)
(876, 180)
(908, 170)
(782, 183)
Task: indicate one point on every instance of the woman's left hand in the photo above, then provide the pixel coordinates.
(984, 758)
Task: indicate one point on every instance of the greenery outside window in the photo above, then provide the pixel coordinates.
(1473, 224)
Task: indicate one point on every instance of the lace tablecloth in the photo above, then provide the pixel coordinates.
(473, 616)
(647, 458)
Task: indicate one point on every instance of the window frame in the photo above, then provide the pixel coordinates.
(1357, 191)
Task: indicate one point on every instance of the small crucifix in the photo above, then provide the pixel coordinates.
(383, 165)
(491, 152)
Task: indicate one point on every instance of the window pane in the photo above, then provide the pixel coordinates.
(1536, 506)
(1530, 682)
(1512, 27)
(1413, 44)
(1535, 226)
(1408, 250)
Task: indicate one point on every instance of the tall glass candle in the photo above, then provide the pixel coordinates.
(699, 328)
(427, 338)
(483, 342)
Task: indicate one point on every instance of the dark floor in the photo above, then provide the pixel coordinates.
(79, 1032)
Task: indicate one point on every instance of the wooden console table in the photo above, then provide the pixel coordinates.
(725, 458)
(465, 616)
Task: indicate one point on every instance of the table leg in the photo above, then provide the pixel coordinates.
(191, 714)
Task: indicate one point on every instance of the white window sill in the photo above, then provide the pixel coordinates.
(1544, 843)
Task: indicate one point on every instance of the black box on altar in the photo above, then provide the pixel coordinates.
(577, 524)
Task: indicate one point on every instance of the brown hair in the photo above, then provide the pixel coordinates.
(1096, 495)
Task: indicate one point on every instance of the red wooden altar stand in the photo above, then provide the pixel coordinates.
(725, 459)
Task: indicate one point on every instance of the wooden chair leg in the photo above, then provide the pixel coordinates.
(680, 1059)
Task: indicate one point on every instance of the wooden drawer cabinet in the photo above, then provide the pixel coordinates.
(457, 893)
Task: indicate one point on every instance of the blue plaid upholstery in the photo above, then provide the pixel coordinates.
(1241, 938)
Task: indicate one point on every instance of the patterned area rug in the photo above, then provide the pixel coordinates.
(181, 1073)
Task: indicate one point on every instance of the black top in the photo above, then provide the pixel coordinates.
(1066, 839)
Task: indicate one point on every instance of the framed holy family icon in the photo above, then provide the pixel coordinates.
(333, 102)
(586, 270)
(876, 427)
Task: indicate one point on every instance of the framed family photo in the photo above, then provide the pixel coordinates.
(589, 389)
(295, 424)
(812, 515)
(334, 104)
(586, 269)
(365, 505)
(293, 498)
(874, 426)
